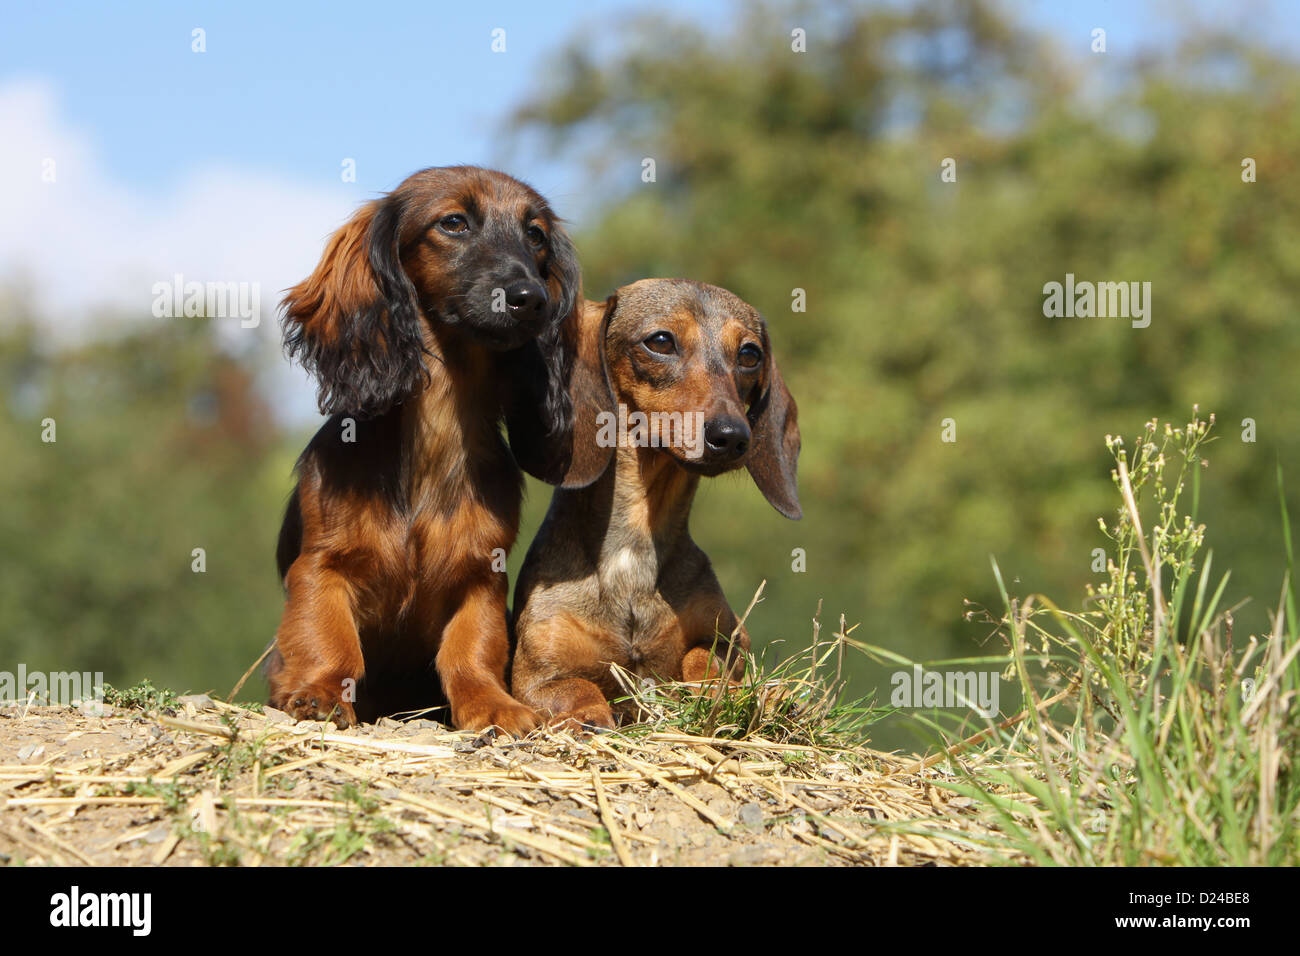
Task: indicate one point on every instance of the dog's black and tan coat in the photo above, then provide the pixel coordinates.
(613, 575)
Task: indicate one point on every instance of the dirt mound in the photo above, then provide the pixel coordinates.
(218, 784)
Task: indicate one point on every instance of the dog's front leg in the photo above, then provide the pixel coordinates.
(471, 663)
(319, 645)
(712, 652)
(706, 632)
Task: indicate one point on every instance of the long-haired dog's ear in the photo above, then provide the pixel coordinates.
(567, 455)
(564, 291)
(354, 323)
(539, 408)
(774, 450)
(563, 277)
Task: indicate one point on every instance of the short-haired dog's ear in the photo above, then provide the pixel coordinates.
(774, 452)
(573, 458)
(591, 393)
(354, 323)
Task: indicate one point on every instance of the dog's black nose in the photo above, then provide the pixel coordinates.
(726, 437)
(525, 299)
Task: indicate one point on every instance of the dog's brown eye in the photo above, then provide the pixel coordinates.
(536, 235)
(662, 343)
(750, 356)
(453, 224)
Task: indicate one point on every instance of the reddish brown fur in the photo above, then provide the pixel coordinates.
(388, 546)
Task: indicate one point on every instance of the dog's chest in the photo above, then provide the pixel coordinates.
(629, 573)
(426, 556)
(635, 612)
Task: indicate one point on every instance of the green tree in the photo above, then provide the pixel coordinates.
(780, 170)
(162, 446)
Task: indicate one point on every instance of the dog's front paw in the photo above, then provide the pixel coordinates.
(504, 713)
(584, 720)
(316, 701)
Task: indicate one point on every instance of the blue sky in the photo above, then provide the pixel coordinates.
(226, 165)
(292, 88)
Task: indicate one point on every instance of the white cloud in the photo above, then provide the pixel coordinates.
(85, 243)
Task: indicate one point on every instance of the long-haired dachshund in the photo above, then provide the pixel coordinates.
(613, 575)
(435, 312)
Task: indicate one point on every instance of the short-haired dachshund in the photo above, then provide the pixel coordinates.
(672, 381)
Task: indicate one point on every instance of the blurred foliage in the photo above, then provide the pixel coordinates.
(775, 171)
(162, 445)
(820, 171)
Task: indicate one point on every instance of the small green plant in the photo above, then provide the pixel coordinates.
(238, 756)
(799, 699)
(1152, 734)
(348, 837)
(603, 845)
(215, 850)
(143, 696)
(174, 796)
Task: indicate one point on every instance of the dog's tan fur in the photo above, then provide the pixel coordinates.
(613, 575)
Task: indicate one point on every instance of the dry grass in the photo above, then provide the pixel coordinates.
(223, 784)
